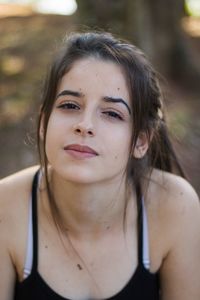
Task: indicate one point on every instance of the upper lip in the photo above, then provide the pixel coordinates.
(80, 148)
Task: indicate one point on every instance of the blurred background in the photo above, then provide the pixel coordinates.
(30, 30)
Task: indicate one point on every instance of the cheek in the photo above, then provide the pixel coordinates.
(51, 132)
(119, 145)
(57, 127)
(54, 136)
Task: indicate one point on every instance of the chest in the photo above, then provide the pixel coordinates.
(99, 269)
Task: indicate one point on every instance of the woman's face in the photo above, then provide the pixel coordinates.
(89, 130)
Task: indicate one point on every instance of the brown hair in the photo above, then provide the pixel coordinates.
(145, 95)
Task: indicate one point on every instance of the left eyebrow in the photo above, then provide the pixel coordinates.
(70, 93)
(117, 100)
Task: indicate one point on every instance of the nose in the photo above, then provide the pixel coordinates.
(84, 129)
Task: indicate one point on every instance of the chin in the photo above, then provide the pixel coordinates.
(77, 176)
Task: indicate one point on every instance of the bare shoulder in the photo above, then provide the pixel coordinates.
(14, 194)
(172, 193)
(15, 184)
(19, 176)
(174, 219)
(173, 211)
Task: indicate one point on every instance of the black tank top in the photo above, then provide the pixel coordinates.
(143, 285)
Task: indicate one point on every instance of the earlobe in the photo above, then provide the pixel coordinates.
(141, 146)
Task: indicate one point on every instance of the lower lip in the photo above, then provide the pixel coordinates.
(80, 155)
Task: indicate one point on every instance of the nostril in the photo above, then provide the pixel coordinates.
(83, 130)
(78, 130)
(90, 132)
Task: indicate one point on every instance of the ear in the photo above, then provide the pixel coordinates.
(141, 146)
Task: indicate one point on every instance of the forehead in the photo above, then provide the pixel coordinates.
(92, 75)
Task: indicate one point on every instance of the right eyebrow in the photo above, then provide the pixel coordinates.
(70, 93)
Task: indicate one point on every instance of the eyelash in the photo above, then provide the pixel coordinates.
(69, 106)
(73, 106)
(113, 114)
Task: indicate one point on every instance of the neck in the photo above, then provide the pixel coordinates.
(90, 210)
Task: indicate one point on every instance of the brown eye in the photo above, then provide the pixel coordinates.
(113, 115)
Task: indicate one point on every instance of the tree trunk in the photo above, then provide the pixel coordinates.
(154, 26)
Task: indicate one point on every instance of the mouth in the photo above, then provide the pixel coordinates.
(80, 151)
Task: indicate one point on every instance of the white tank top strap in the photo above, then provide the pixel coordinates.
(29, 248)
(145, 237)
(29, 251)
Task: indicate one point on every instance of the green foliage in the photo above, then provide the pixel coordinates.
(192, 7)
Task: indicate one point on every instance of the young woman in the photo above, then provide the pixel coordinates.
(103, 217)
